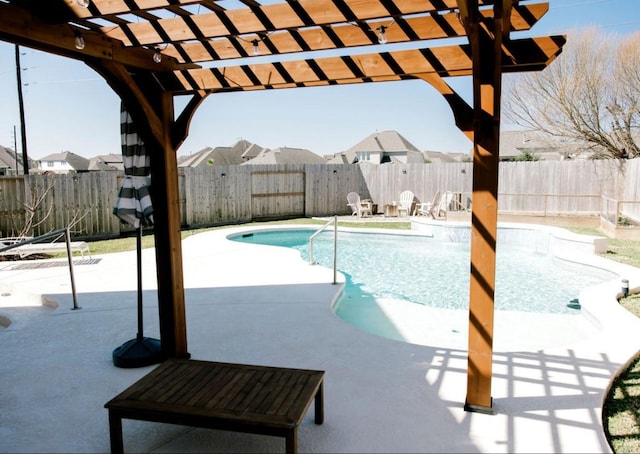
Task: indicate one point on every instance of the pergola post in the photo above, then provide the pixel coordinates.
(165, 195)
(486, 48)
(152, 110)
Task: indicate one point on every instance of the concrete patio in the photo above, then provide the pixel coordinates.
(264, 305)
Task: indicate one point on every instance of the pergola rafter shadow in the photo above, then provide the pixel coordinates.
(151, 54)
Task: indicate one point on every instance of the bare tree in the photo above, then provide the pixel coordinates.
(35, 199)
(588, 96)
(38, 206)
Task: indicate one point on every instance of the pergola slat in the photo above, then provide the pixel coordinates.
(449, 61)
(211, 26)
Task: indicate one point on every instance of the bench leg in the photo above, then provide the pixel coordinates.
(292, 441)
(115, 433)
(319, 404)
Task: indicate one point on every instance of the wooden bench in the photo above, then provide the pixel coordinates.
(237, 397)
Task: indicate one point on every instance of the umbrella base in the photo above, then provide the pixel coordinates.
(138, 353)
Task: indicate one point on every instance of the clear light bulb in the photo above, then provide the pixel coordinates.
(382, 35)
(79, 41)
(256, 48)
(83, 3)
(157, 56)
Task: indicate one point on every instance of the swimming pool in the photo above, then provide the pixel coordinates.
(386, 272)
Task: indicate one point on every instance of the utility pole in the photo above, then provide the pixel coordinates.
(23, 126)
(15, 147)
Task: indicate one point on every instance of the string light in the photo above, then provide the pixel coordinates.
(256, 48)
(83, 3)
(382, 34)
(157, 56)
(79, 40)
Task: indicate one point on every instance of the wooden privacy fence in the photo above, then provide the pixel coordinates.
(84, 201)
(549, 204)
(218, 195)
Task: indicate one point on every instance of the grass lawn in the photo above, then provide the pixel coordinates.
(621, 412)
(129, 243)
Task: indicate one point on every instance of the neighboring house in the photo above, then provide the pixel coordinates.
(106, 162)
(285, 155)
(516, 143)
(233, 155)
(65, 162)
(10, 161)
(384, 147)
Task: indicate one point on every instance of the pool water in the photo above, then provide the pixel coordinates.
(432, 273)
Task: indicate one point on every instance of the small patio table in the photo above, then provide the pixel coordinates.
(390, 211)
(237, 397)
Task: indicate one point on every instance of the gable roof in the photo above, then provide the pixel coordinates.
(10, 160)
(252, 151)
(285, 155)
(385, 141)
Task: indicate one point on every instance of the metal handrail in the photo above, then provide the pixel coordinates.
(333, 221)
(67, 238)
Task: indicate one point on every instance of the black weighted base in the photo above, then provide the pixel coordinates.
(138, 353)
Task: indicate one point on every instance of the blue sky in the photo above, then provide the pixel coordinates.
(68, 107)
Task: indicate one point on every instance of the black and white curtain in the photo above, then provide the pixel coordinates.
(133, 205)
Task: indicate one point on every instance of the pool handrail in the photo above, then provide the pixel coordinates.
(333, 221)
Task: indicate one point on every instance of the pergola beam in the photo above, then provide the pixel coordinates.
(446, 61)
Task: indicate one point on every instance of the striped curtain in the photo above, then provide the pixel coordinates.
(133, 205)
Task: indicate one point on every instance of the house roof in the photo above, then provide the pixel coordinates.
(209, 156)
(514, 143)
(285, 155)
(386, 141)
(438, 156)
(344, 157)
(95, 164)
(109, 162)
(8, 159)
(233, 155)
(77, 163)
(252, 151)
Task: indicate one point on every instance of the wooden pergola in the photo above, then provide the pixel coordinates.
(150, 51)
